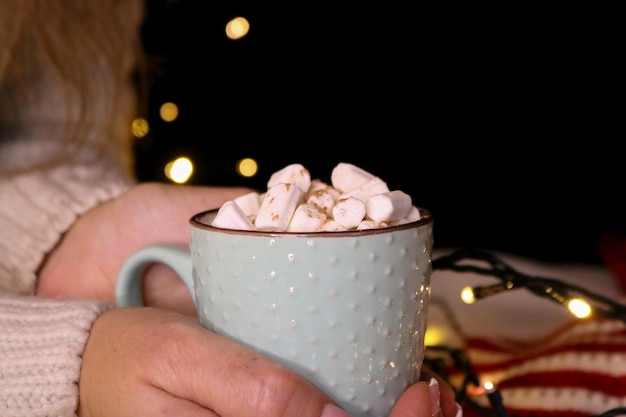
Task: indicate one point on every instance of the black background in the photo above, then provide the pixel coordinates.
(503, 121)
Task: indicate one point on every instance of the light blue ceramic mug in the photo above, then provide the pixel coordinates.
(347, 310)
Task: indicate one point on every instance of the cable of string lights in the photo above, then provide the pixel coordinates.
(579, 301)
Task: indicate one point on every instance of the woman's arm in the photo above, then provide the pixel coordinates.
(41, 344)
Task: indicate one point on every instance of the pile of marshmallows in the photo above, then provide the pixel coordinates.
(355, 200)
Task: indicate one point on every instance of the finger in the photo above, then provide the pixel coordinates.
(157, 402)
(449, 406)
(163, 288)
(414, 402)
(231, 379)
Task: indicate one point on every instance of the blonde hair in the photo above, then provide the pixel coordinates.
(87, 47)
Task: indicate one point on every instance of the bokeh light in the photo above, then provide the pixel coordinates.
(237, 28)
(467, 295)
(168, 112)
(247, 167)
(433, 336)
(179, 170)
(139, 127)
(579, 308)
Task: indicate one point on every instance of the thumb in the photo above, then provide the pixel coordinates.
(416, 401)
(233, 380)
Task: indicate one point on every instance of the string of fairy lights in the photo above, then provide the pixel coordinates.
(581, 302)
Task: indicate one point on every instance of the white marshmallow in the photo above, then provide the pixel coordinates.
(413, 216)
(324, 198)
(370, 224)
(389, 206)
(349, 212)
(364, 192)
(331, 226)
(346, 177)
(278, 206)
(316, 184)
(230, 216)
(306, 218)
(249, 203)
(294, 173)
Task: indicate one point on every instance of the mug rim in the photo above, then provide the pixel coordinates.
(426, 217)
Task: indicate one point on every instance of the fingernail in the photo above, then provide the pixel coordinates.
(459, 410)
(433, 390)
(331, 410)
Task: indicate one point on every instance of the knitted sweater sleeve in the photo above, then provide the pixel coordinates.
(42, 340)
(37, 208)
(41, 344)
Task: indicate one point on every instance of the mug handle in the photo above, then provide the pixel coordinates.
(130, 277)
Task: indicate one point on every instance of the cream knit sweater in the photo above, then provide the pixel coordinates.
(41, 341)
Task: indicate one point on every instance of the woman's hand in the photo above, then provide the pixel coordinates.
(86, 262)
(149, 361)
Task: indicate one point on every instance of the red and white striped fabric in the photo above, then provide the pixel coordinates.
(579, 370)
(544, 362)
